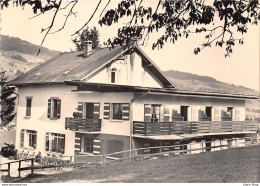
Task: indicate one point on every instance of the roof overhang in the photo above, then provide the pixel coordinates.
(86, 86)
(31, 84)
(191, 136)
(154, 68)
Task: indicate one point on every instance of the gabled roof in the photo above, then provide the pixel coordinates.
(74, 66)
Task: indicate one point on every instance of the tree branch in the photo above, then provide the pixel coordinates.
(147, 33)
(49, 28)
(88, 20)
(105, 7)
(70, 13)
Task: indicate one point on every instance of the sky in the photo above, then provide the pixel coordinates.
(242, 68)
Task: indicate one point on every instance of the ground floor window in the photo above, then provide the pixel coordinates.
(87, 144)
(55, 142)
(28, 138)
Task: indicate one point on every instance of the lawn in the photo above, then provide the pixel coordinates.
(233, 165)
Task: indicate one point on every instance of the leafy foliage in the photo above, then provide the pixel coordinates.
(178, 18)
(220, 20)
(8, 98)
(87, 34)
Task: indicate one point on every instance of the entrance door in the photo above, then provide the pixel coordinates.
(184, 112)
(88, 110)
(155, 113)
(209, 112)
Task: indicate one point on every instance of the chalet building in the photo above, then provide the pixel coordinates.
(104, 101)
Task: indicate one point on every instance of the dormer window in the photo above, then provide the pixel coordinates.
(113, 75)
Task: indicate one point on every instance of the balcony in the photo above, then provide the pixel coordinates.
(189, 127)
(83, 124)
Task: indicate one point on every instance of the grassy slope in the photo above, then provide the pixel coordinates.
(234, 165)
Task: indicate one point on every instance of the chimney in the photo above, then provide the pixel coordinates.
(87, 48)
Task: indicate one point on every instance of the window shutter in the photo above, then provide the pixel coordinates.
(47, 142)
(80, 109)
(58, 108)
(63, 143)
(237, 114)
(96, 145)
(126, 111)
(147, 112)
(49, 108)
(96, 111)
(166, 113)
(194, 113)
(35, 136)
(22, 138)
(77, 144)
(217, 114)
(106, 111)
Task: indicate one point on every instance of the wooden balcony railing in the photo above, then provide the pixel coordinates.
(83, 124)
(189, 127)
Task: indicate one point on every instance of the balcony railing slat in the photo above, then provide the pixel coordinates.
(83, 124)
(188, 127)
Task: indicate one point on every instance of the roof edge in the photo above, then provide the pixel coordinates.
(156, 67)
(166, 91)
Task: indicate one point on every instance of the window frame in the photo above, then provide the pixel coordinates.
(85, 107)
(29, 139)
(28, 112)
(120, 114)
(87, 142)
(51, 139)
(159, 114)
(54, 108)
(113, 74)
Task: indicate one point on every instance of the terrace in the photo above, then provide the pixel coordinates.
(191, 127)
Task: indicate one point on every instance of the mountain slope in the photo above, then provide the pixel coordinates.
(194, 82)
(19, 56)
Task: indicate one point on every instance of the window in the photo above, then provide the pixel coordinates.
(155, 113)
(28, 106)
(55, 142)
(28, 138)
(229, 111)
(226, 114)
(87, 144)
(117, 111)
(113, 75)
(54, 105)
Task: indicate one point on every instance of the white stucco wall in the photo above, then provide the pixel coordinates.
(38, 120)
(69, 101)
(130, 71)
(108, 126)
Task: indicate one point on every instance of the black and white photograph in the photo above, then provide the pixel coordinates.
(130, 91)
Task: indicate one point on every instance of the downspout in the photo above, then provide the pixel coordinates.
(131, 122)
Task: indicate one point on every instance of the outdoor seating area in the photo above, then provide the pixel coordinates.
(49, 159)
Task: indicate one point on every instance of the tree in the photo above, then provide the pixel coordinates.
(8, 97)
(221, 21)
(87, 34)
